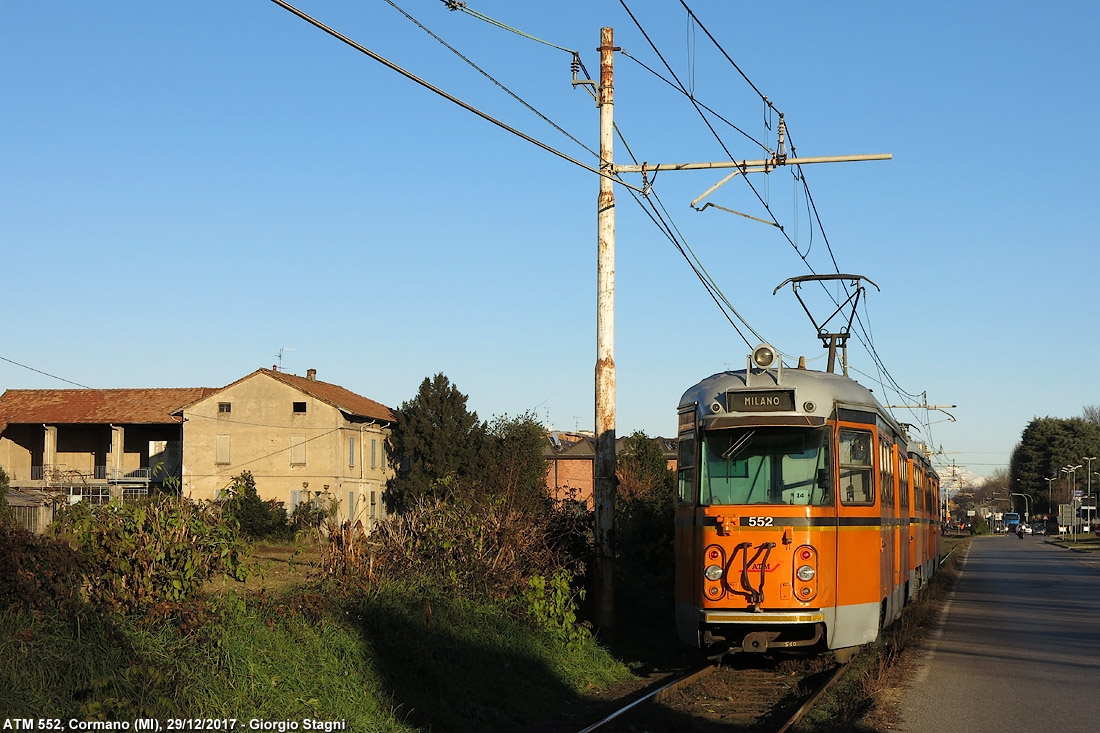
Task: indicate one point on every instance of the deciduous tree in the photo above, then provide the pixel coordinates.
(644, 507)
(514, 468)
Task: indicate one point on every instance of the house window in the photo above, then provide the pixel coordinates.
(221, 450)
(351, 452)
(225, 408)
(373, 453)
(373, 503)
(299, 407)
(297, 450)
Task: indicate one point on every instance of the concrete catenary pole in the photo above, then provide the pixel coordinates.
(604, 480)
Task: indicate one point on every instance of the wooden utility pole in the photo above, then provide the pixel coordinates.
(604, 479)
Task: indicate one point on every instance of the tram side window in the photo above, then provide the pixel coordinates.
(886, 472)
(903, 481)
(685, 465)
(856, 484)
(917, 489)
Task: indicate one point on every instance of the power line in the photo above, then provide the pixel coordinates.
(484, 73)
(450, 97)
(655, 215)
(455, 5)
(46, 374)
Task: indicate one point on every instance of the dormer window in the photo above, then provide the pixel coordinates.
(299, 407)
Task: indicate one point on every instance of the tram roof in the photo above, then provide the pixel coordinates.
(823, 387)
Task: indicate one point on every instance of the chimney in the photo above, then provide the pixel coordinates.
(311, 375)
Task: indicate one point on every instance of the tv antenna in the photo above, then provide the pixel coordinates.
(280, 355)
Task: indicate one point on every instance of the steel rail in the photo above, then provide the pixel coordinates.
(798, 714)
(657, 694)
(663, 692)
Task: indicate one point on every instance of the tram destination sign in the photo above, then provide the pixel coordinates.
(775, 400)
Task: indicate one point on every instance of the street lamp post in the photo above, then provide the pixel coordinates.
(1071, 472)
(1050, 494)
(1027, 505)
(1088, 471)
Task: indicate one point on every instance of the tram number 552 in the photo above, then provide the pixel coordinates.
(761, 521)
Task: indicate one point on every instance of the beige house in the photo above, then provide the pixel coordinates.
(302, 440)
(94, 443)
(60, 446)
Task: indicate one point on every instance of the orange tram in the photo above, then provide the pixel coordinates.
(806, 518)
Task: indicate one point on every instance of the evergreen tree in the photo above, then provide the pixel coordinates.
(257, 518)
(436, 443)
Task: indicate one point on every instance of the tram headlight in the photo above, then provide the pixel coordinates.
(713, 572)
(763, 356)
(805, 573)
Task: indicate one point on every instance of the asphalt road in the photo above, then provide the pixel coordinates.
(1018, 646)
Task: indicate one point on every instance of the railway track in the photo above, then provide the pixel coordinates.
(743, 692)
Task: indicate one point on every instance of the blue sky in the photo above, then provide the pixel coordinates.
(186, 188)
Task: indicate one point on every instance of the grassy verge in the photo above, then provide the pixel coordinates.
(854, 703)
(392, 658)
(1082, 543)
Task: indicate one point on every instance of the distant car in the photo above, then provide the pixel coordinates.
(1038, 527)
(1026, 528)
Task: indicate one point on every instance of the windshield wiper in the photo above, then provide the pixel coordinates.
(735, 449)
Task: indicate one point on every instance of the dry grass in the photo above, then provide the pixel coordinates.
(866, 699)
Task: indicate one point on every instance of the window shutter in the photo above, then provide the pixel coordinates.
(297, 450)
(221, 450)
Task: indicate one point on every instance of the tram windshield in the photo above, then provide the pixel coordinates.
(766, 465)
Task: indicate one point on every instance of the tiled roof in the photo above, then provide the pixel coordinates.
(584, 447)
(95, 406)
(335, 395)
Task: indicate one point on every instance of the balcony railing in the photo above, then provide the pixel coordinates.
(59, 474)
(128, 475)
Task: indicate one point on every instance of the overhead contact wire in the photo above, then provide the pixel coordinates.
(866, 341)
